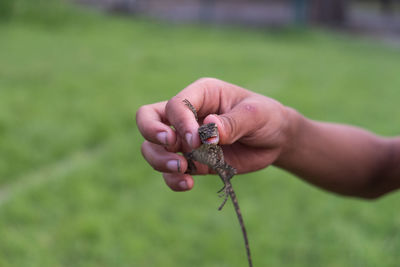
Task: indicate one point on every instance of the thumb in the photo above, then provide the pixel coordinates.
(242, 120)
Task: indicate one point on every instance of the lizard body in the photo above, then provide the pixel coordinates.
(211, 154)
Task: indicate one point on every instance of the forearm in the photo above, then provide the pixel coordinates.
(340, 158)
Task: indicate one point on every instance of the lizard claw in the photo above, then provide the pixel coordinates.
(224, 194)
(222, 189)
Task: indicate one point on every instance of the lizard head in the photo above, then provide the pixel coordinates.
(209, 133)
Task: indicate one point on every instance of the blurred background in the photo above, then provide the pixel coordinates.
(74, 189)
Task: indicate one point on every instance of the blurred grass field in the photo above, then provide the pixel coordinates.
(75, 191)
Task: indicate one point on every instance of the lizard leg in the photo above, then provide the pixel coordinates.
(224, 174)
(191, 169)
(229, 171)
(225, 177)
(226, 171)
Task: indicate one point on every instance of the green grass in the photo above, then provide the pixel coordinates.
(75, 191)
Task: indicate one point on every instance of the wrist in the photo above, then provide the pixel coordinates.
(295, 124)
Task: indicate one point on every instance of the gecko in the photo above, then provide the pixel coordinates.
(211, 154)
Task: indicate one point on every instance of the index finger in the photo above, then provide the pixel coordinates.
(208, 96)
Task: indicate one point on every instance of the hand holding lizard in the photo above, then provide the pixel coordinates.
(253, 129)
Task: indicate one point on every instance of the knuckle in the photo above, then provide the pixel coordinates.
(141, 111)
(206, 81)
(145, 126)
(140, 118)
(171, 104)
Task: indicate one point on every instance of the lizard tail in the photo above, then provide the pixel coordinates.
(241, 222)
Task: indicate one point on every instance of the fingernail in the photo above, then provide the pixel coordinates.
(162, 138)
(183, 185)
(174, 165)
(188, 137)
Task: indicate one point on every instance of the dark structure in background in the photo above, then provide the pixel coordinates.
(328, 12)
(373, 16)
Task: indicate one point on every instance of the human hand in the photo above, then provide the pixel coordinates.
(253, 129)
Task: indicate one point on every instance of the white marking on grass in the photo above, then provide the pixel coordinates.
(45, 174)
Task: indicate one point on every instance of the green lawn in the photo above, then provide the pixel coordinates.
(75, 191)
